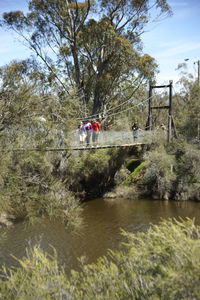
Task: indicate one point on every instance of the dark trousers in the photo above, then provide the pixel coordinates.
(88, 136)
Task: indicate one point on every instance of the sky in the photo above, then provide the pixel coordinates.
(169, 41)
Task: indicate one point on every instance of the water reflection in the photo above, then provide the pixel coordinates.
(103, 220)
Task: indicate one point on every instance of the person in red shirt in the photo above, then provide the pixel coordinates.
(95, 131)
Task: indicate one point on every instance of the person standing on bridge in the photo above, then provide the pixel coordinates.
(82, 133)
(95, 131)
(135, 129)
(163, 127)
(88, 128)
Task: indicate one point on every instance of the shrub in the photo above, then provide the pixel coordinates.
(92, 172)
(30, 189)
(159, 175)
(188, 164)
(188, 174)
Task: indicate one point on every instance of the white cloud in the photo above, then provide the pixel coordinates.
(181, 49)
(178, 4)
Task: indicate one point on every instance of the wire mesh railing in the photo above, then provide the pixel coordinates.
(107, 138)
(60, 141)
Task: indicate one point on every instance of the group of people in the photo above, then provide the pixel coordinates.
(88, 130)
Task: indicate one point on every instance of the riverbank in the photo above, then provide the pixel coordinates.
(164, 172)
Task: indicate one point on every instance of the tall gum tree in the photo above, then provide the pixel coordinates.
(94, 47)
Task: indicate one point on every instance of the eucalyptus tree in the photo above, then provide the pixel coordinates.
(27, 103)
(23, 72)
(187, 104)
(94, 47)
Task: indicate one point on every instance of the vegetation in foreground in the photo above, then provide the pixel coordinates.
(162, 263)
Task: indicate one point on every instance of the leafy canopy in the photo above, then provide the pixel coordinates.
(92, 46)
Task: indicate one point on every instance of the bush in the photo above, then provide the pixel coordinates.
(121, 176)
(30, 189)
(30, 182)
(188, 174)
(159, 175)
(92, 172)
(188, 165)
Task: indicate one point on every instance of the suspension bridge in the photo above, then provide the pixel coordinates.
(106, 139)
(111, 138)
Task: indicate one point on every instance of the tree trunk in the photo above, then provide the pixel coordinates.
(78, 80)
(97, 101)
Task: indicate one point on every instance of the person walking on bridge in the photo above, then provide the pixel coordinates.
(82, 133)
(88, 128)
(95, 131)
(163, 127)
(135, 129)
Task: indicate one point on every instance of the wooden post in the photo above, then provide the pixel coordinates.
(149, 120)
(169, 107)
(198, 125)
(170, 113)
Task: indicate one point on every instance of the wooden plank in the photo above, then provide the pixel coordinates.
(160, 107)
(160, 86)
(70, 148)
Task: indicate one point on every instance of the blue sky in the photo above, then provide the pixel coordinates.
(170, 41)
(175, 39)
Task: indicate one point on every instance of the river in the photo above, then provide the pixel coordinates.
(101, 231)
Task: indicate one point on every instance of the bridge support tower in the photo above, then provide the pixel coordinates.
(171, 124)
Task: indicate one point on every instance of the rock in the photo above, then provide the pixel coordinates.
(5, 220)
(166, 196)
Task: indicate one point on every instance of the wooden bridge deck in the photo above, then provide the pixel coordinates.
(83, 148)
(106, 146)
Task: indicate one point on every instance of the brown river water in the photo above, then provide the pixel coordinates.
(102, 222)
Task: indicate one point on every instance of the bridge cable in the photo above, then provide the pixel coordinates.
(108, 115)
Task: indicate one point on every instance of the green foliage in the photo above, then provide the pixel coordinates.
(188, 176)
(188, 164)
(30, 189)
(173, 172)
(162, 263)
(85, 164)
(131, 164)
(92, 172)
(96, 47)
(121, 176)
(28, 111)
(157, 138)
(39, 277)
(187, 106)
(137, 174)
(159, 175)
(30, 181)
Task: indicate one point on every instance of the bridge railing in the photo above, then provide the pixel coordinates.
(109, 138)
